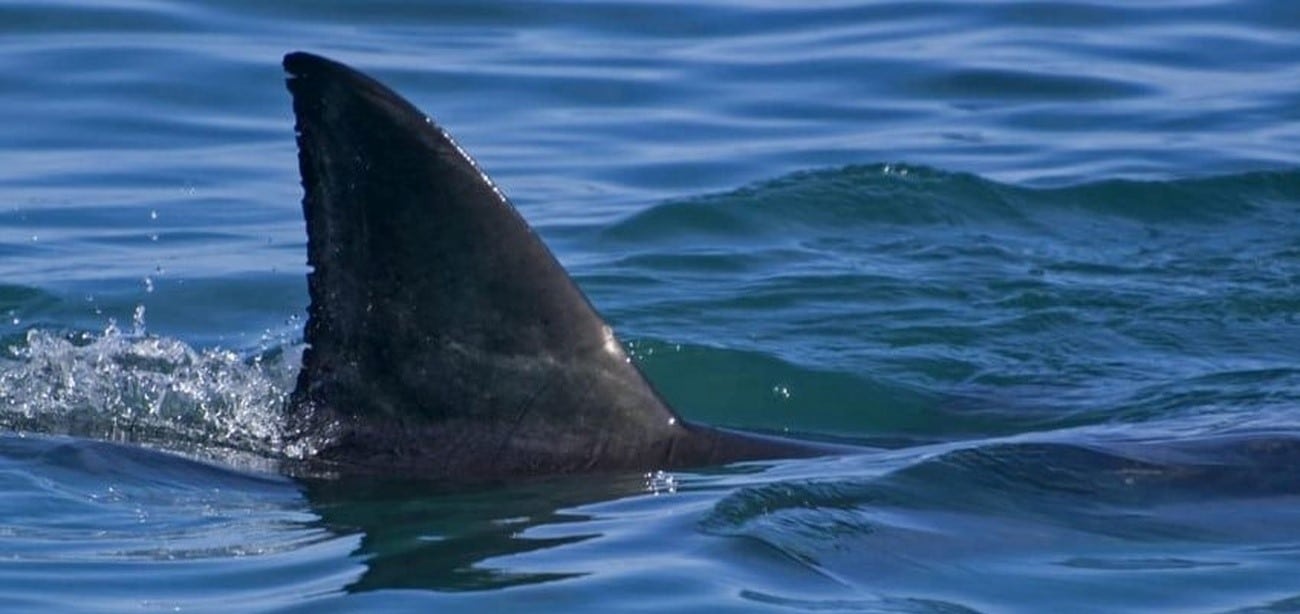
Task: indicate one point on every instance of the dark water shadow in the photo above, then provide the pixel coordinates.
(435, 536)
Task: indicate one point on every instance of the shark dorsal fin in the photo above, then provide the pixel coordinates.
(442, 332)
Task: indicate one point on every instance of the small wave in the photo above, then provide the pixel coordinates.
(882, 605)
(857, 198)
(73, 501)
(759, 391)
(965, 498)
(1130, 564)
(848, 199)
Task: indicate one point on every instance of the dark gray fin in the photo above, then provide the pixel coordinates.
(443, 336)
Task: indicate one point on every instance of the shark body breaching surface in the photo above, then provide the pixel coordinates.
(443, 337)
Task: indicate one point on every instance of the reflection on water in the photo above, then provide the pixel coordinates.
(417, 534)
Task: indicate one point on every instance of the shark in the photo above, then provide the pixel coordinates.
(444, 339)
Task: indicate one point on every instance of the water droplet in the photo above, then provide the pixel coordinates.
(137, 321)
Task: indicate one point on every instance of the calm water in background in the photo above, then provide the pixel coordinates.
(1044, 257)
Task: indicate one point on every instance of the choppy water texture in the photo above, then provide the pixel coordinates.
(1041, 258)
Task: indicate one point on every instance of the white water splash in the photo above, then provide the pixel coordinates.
(141, 388)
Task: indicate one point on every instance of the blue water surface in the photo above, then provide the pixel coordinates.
(1040, 259)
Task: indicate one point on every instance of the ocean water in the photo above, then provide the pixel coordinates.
(1041, 260)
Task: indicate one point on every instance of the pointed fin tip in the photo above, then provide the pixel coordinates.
(305, 65)
(302, 63)
(313, 76)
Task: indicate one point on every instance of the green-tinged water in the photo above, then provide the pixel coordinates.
(1041, 260)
